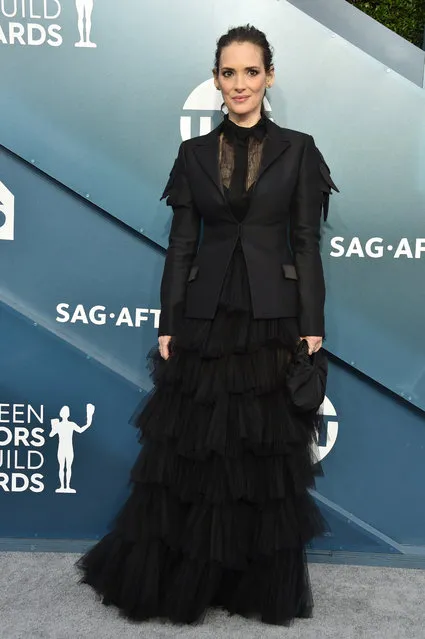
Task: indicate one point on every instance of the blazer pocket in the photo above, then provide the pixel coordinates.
(290, 271)
(193, 272)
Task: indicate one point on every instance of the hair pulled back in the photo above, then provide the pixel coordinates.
(246, 33)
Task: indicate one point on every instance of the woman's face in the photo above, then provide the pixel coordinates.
(243, 80)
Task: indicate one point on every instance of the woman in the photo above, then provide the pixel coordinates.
(219, 513)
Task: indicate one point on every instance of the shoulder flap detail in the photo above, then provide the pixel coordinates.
(327, 184)
(170, 182)
(177, 189)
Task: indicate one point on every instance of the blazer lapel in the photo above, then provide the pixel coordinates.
(274, 145)
(207, 152)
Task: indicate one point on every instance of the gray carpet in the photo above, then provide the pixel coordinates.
(40, 598)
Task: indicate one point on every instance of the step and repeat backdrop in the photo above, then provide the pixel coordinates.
(95, 99)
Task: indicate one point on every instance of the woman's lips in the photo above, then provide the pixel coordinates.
(240, 98)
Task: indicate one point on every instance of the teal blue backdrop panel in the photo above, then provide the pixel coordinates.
(91, 132)
(67, 250)
(107, 120)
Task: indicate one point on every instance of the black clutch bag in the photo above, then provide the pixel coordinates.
(306, 378)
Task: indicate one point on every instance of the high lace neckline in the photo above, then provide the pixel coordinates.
(234, 131)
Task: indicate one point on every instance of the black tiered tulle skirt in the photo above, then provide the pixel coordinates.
(219, 512)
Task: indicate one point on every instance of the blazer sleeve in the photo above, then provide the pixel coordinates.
(310, 199)
(182, 246)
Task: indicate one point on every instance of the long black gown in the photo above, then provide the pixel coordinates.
(219, 512)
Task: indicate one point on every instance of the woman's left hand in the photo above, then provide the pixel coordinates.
(314, 343)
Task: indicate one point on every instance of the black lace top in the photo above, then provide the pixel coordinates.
(240, 157)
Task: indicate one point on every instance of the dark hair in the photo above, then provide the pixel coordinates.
(246, 33)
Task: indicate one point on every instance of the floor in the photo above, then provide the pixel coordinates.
(41, 599)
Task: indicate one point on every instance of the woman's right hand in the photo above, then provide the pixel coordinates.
(164, 343)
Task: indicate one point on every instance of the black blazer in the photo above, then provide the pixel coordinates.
(280, 233)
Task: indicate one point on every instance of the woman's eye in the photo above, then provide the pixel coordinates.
(228, 73)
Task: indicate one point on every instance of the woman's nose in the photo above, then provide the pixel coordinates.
(239, 82)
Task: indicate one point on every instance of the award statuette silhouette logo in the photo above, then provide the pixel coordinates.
(65, 430)
(84, 10)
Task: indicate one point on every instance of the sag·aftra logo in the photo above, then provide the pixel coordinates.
(39, 22)
(327, 438)
(7, 213)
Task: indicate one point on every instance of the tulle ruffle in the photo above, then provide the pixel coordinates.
(153, 580)
(219, 512)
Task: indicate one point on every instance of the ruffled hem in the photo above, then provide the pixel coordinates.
(186, 557)
(152, 580)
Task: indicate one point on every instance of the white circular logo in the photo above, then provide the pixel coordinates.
(203, 107)
(327, 439)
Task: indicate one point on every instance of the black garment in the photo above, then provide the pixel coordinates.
(219, 513)
(280, 233)
(237, 195)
